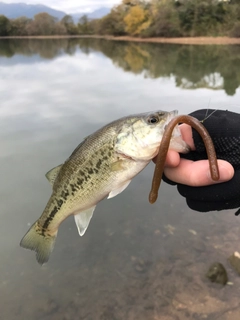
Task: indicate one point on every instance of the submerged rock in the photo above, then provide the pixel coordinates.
(217, 273)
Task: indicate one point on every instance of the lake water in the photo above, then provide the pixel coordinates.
(136, 260)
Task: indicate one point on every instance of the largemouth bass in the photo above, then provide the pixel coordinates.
(102, 166)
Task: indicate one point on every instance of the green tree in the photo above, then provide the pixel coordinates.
(203, 18)
(113, 23)
(68, 22)
(165, 20)
(18, 26)
(83, 25)
(4, 26)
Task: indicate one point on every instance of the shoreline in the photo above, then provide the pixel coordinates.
(186, 40)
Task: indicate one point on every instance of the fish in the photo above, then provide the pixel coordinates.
(101, 166)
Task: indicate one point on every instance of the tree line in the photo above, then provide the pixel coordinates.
(142, 18)
(42, 24)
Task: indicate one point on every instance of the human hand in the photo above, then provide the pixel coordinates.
(191, 172)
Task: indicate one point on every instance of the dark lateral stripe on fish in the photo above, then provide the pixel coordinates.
(50, 218)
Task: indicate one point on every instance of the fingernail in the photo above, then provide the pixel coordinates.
(226, 172)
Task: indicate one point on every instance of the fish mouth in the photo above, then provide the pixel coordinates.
(176, 142)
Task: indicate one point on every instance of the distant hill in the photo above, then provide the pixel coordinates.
(15, 10)
(97, 14)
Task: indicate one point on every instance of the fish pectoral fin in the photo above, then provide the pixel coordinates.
(118, 165)
(52, 174)
(82, 220)
(119, 189)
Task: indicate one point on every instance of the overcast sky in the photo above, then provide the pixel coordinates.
(71, 6)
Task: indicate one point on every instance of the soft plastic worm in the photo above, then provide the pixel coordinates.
(161, 157)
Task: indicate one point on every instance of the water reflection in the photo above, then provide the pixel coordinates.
(212, 67)
(136, 261)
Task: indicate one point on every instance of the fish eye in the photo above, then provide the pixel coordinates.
(152, 119)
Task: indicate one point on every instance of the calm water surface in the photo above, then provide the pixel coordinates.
(136, 260)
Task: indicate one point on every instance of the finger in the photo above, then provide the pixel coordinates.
(172, 159)
(187, 135)
(197, 173)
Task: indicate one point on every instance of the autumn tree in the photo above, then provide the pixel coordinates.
(59, 29)
(136, 20)
(127, 2)
(43, 24)
(131, 3)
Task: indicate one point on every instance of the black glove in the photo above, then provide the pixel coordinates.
(224, 129)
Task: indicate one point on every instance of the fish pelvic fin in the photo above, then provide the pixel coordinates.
(40, 242)
(83, 219)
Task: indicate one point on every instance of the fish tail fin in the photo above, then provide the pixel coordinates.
(41, 242)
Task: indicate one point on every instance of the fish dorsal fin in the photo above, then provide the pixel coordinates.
(118, 190)
(82, 220)
(51, 175)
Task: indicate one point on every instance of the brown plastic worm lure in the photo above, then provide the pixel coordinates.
(161, 157)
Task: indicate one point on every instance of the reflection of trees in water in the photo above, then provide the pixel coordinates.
(214, 67)
(212, 81)
(45, 48)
